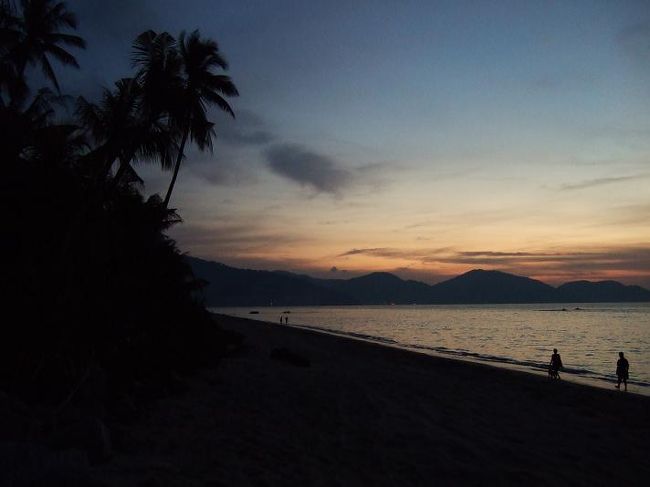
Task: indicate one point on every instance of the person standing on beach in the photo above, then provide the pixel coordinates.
(555, 365)
(622, 370)
(286, 320)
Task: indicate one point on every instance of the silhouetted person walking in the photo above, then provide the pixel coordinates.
(622, 370)
(555, 365)
(286, 320)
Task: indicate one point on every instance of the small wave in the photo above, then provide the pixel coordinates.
(530, 364)
(467, 354)
(363, 336)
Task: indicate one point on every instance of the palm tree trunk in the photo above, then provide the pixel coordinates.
(179, 158)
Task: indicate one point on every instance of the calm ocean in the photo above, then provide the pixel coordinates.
(588, 336)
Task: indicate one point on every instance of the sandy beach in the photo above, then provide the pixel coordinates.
(365, 414)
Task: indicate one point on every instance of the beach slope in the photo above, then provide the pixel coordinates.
(365, 414)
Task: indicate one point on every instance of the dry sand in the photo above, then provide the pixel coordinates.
(364, 414)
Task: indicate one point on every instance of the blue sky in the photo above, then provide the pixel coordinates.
(429, 137)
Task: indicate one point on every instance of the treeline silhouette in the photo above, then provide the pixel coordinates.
(93, 289)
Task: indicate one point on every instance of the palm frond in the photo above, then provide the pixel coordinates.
(67, 39)
(216, 99)
(63, 56)
(49, 72)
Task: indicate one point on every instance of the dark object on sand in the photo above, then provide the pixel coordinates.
(289, 357)
(286, 312)
(253, 312)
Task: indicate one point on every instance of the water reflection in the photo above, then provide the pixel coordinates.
(589, 336)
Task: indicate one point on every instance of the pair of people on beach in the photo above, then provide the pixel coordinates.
(622, 368)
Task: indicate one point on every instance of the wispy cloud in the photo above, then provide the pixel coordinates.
(230, 240)
(603, 181)
(412, 254)
(555, 265)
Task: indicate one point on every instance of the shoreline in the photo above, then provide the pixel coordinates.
(351, 412)
(636, 388)
(604, 384)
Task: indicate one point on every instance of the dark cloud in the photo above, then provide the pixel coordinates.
(497, 254)
(418, 254)
(247, 129)
(308, 168)
(602, 181)
(380, 252)
(616, 258)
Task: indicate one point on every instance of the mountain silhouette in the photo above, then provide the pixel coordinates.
(380, 288)
(229, 286)
(479, 286)
(602, 291)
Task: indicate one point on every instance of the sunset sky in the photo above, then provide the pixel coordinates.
(425, 138)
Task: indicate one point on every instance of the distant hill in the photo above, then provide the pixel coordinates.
(479, 286)
(602, 291)
(380, 288)
(229, 286)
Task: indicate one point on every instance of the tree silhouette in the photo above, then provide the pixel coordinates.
(122, 132)
(35, 38)
(201, 88)
(179, 79)
(91, 274)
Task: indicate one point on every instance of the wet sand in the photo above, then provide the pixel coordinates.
(365, 414)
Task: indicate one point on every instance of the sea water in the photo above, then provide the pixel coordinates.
(587, 336)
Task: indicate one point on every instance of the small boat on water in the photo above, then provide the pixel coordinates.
(253, 312)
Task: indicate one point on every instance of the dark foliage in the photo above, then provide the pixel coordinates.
(90, 281)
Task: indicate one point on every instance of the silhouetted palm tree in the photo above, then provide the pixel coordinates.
(10, 83)
(79, 249)
(178, 79)
(159, 74)
(41, 38)
(201, 88)
(121, 131)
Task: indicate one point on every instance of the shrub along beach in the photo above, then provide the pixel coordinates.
(103, 313)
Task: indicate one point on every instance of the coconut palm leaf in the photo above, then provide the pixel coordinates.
(41, 37)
